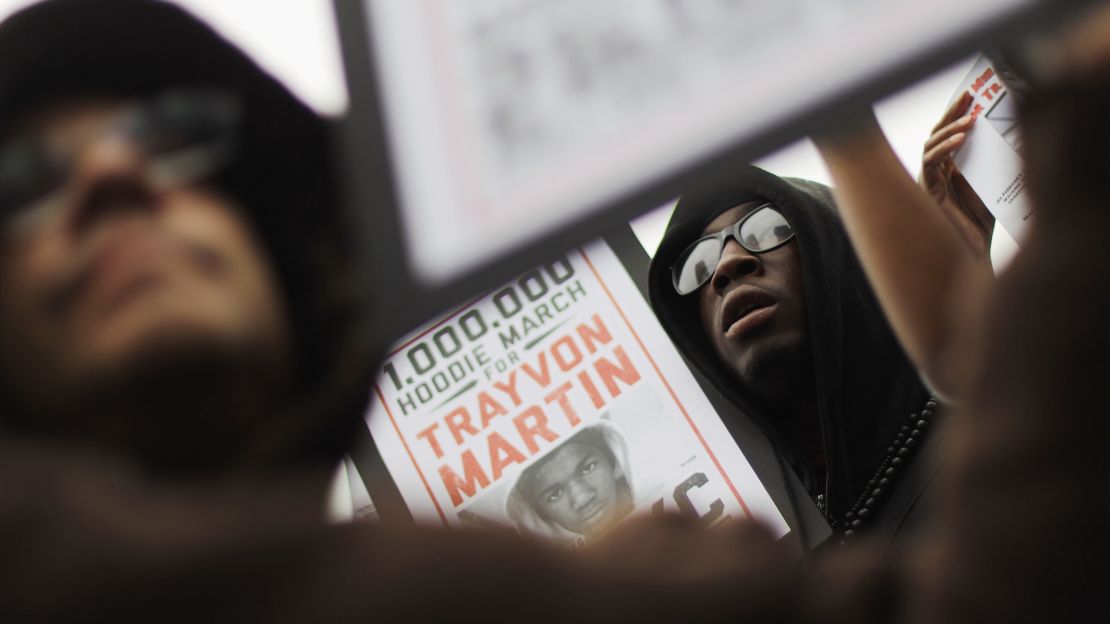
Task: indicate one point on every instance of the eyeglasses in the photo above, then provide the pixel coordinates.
(184, 136)
(761, 231)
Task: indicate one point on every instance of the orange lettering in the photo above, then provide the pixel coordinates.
(560, 396)
(510, 388)
(590, 336)
(543, 376)
(473, 478)
(608, 372)
(457, 422)
(502, 455)
(489, 408)
(591, 390)
(528, 434)
(428, 435)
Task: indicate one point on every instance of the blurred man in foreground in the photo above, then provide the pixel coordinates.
(182, 363)
(170, 263)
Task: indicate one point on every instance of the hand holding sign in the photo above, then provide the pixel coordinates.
(941, 178)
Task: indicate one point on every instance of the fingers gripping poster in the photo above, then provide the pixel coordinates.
(557, 406)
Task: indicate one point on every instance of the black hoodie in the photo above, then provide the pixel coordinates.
(866, 388)
(284, 175)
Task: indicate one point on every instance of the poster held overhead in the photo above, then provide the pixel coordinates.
(509, 121)
(991, 159)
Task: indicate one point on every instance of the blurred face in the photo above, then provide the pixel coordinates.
(577, 487)
(753, 308)
(116, 269)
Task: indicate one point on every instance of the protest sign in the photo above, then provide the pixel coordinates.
(557, 406)
(509, 122)
(991, 158)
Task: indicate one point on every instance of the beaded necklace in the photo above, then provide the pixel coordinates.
(891, 468)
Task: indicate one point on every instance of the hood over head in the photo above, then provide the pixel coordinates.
(866, 388)
(284, 176)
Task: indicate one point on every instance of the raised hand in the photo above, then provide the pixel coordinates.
(947, 186)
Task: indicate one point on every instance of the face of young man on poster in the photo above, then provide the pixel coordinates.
(578, 486)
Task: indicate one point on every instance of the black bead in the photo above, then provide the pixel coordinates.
(869, 502)
(900, 437)
(848, 533)
(890, 450)
(913, 417)
(905, 429)
(931, 404)
(884, 482)
(897, 461)
(902, 452)
(911, 443)
(876, 493)
(850, 515)
(856, 524)
(921, 424)
(926, 414)
(916, 433)
(865, 513)
(890, 472)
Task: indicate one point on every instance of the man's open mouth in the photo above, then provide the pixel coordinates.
(743, 306)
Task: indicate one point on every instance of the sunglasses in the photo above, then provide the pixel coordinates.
(183, 136)
(763, 230)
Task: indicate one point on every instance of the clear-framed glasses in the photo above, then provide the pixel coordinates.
(184, 136)
(762, 230)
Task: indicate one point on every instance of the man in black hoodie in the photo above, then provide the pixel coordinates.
(759, 287)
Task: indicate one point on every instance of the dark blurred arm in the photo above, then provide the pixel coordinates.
(930, 284)
(82, 543)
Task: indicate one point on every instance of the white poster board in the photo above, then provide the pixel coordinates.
(506, 119)
(991, 157)
(557, 406)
